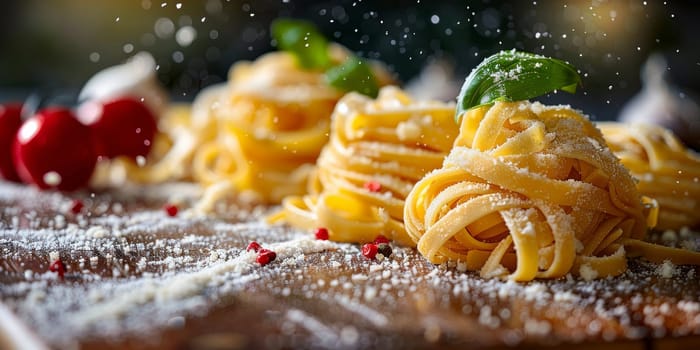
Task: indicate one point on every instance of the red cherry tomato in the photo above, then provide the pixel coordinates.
(54, 150)
(123, 126)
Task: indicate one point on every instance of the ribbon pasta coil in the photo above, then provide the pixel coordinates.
(530, 191)
(392, 142)
(257, 135)
(665, 169)
(268, 126)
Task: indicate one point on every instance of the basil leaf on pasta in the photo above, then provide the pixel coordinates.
(353, 75)
(303, 40)
(514, 76)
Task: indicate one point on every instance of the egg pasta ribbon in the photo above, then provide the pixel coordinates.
(530, 191)
(665, 169)
(269, 124)
(390, 143)
(257, 135)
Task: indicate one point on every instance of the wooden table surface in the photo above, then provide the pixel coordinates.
(138, 279)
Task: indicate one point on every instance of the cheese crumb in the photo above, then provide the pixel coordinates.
(408, 131)
(587, 272)
(666, 269)
(96, 232)
(461, 266)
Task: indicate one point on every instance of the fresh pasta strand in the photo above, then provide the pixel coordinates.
(530, 191)
(390, 142)
(665, 169)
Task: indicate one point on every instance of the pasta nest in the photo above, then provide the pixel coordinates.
(257, 135)
(528, 191)
(264, 130)
(665, 169)
(391, 142)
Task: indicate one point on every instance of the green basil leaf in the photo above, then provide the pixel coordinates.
(514, 76)
(353, 75)
(303, 40)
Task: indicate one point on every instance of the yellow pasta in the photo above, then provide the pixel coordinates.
(528, 192)
(389, 144)
(665, 169)
(257, 135)
(270, 124)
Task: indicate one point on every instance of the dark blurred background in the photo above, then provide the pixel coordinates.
(61, 43)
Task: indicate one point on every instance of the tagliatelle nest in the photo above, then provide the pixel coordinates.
(530, 192)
